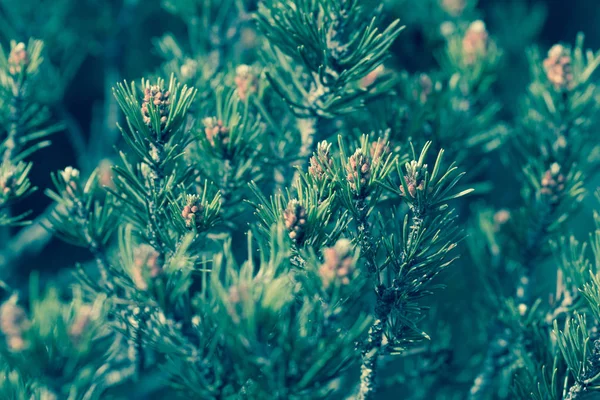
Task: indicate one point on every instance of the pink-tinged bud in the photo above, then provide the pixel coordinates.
(475, 42)
(558, 67)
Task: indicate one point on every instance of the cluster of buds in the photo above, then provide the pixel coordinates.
(18, 59)
(13, 324)
(454, 7)
(358, 171)
(553, 183)
(145, 266)
(423, 88)
(414, 178)
(160, 99)
(372, 77)
(71, 177)
(193, 211)
(322, 158)
(379, 150)
(338, 264)
(475, 42)
(246, 81)
(558, 67)
(294, 217)
(215, 131)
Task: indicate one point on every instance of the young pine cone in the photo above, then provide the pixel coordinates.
(338, 264)
(558, 67)
(159, 98)
(215, 131)
(294, 217)
(145, 266)
(18, 59)
(553, 183)
(475, 42)
(358, 172)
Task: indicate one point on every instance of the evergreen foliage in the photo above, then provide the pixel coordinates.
(275, 209)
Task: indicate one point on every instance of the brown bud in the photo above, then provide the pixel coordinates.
(558, 67)
(18, 59)
(553, 183)
(475, 42)
(160, 99)
(215, 131)
(294, 217)
(246, 81)
(338, 265)
(358, 172)
(145, 266)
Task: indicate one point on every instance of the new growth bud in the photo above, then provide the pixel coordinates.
(338, 265)
(358, 171)
(18, 59)
(245, 80)
(215, 131)
(558, 67)
(145, 266)
(414, 178)
(7, 180)
(321, 161)
(193, 212)
(553, 183)
(155, 96)
(13, 324)
(454, 7)
(71, 177)
(475, 42)
(294, 217)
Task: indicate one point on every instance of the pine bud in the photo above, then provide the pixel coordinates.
(294, 217)
(372, 77)
(18, 59)
(338, 265)
(454, 7)
(71, 176)
(105, 174)
(553, 183)
(558, 67)
(378, 150)
(475, 42)
(82, 321)
(423, 88)
(189, 69)
(415, 179)
(246, 81)
(215, 131)
(145, 266)
(155, 96)
(13, 323)
(358, 171)
(193, 212)
(7, 180)
(321, 159)
(501, 217)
